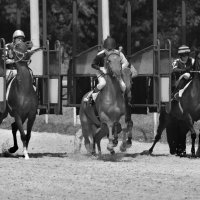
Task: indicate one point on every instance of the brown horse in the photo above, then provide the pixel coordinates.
(102, 118)
(22, 100)
(187, 109)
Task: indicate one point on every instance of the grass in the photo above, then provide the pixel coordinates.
(63, 124)
(143, 129)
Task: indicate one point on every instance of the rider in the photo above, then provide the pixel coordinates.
(98, 64)
(18, 36)
(181, 69)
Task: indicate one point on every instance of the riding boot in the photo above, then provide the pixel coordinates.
(92, 93)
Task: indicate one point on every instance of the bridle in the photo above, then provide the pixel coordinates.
(107, 63)
(20, 56)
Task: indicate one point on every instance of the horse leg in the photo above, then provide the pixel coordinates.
(181, 140)
(171, 132)
(30, 123)
(78, 141)
(127, 144)
(127, 131)
(88, 141)
(163, 121)
(23, 135)
(14, 132)
(3, 116)
(110, 145)
(100, 133)
(198, 150)
(189, 122)
(115, 133)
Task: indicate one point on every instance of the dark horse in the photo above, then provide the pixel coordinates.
(22, 100)
(186, 110)
(102, 118)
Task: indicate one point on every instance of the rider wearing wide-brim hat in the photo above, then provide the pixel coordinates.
(98, 64)
(181, 69)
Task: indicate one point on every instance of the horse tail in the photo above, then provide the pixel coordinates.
(90, 113)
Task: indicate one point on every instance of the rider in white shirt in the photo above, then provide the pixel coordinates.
(98, 64)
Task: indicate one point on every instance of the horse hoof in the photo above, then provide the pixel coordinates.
(12, 149)
(94, 153)
(123, 147)
(112, 152)
(26, 157)
(146, 152)
(110, 146)
(115, 142)
(128, 144)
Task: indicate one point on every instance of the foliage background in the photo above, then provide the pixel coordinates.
(59, 19)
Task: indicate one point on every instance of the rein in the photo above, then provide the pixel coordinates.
(195, 71)
(20, 58)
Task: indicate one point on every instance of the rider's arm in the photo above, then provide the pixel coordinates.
(176, 69)
(124, 61)
(97, 62)
(9, 61)
(6, 57)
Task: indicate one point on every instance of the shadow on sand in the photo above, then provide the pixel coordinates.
(125, 157)
(34, 155)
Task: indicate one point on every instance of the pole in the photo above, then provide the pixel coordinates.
(105, 19)
(128, 28)
(155, 25)
(74, 47)
(100, 33)
(44, 21)
(18, 14)
(155, 119)
(183, 22)
(34, 17)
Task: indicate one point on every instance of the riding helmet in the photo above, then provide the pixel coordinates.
(109, 43)
(183, 50)
(18, 33)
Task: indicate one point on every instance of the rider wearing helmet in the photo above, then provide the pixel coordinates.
(98, 64)
(181, 69)
(11, 71)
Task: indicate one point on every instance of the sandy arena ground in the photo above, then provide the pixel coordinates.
(55, 172)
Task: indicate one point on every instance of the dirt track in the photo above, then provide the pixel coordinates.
(54, 172)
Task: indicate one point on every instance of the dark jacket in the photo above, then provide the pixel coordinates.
(180, 68)
(99, 60)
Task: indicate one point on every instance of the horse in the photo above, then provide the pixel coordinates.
(187, 110)
(22, 101)
(102, 118)
(176, 132)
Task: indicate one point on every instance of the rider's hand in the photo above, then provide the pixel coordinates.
(10, 61)
(187, 69)
(103, 70)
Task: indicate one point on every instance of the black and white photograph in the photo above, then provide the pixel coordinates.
(99, 99)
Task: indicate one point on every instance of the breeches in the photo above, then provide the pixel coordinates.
(185, 76)
(102, 82)
(11, 73)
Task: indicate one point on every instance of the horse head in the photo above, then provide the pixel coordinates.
(20, 52)
(113, 64)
